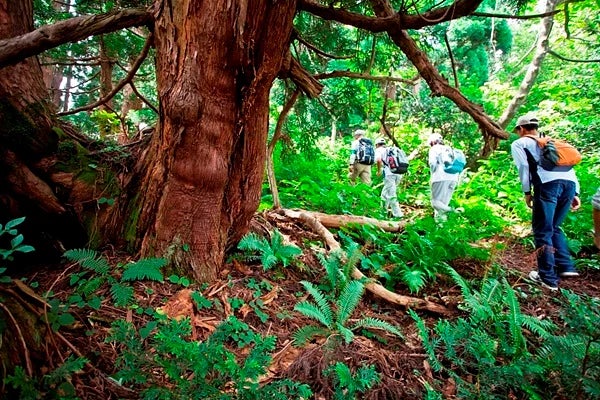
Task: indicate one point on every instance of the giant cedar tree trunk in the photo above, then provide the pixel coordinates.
(216, 62)
(26, 134)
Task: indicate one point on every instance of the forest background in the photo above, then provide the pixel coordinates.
(546, 63)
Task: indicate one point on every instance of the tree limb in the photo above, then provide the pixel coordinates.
(439, 85)
(126, 80)
(18, 48)
(296, 35)
(375, 288)
(458, 9)
(365, 76)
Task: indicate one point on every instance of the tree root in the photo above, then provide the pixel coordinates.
(312, 220)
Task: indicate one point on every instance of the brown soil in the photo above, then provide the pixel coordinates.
(401, 362)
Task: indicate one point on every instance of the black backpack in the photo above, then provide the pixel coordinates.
(366, 152)
(396, 159)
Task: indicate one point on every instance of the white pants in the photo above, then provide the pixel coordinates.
(441, 194)
(389, 194)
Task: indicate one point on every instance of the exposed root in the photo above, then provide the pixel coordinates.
(311, 220)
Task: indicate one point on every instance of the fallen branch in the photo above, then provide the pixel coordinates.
(338, 221)
(378, 290)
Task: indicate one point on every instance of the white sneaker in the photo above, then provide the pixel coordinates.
(534, 276)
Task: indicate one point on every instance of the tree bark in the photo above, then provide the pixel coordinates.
(202, 175)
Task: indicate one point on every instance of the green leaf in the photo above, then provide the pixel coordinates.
(147, 268)
(13, 223)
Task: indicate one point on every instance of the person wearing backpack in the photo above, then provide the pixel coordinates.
(443, 183)
(392, 162)
(550, 194)
(362, 156)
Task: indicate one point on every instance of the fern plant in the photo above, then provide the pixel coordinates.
(165, 363)
(348, 385)
(333, 311)
(489, 345)
(97, 272)
(270, 253)
(573, 359)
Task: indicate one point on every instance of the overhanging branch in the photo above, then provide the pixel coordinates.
(18, 48)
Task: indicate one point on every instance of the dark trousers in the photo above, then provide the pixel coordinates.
(551, 203)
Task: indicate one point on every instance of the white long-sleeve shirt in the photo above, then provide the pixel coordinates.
(517, 149)
(435, 164)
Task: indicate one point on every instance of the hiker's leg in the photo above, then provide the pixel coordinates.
(391, 185)
(562, 256)
(364, 173)
(542, 222)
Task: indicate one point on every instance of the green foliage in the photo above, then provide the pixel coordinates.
(333, 310)
(97, 273)
(270, 253)
(198, 369)
(573, 359)
(489, 346)
(16, 242)
(349, 385)
(55, 384)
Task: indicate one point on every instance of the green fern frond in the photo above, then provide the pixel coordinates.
(253, 242)
(354, 256)
(413, 278)
(514, 318)
(268, 259)
(320, 300)
(428, 345)
(313, 311)
(146, 268)
(348, 300)
(346, 333)
(376, 323)
(122, 294)
(464, 286)
(306, 333)
(88, 259)
(541, 327)
(332, 266)
(343, 374)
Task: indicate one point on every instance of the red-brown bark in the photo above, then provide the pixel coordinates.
(202, 178)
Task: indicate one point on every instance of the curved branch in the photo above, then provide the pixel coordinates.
(510, 16)
(316, 49)
(19, 334)
(145, 100)
(18, 48)
(271, 147)
(368, 77)
(555, 54)
(372, 286)
(458, 9)
(292, 69)
(116, 89)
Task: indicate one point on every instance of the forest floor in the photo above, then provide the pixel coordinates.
(402, 362)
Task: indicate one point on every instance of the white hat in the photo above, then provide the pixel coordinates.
(359, 132)
(527, 120)
(435, 138)
(380, 141)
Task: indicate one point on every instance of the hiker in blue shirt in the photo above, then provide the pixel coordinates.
(443, 183)
(550, 195)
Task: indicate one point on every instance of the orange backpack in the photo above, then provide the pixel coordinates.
(556, 155)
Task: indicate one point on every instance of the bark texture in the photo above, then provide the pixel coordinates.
(201, 178)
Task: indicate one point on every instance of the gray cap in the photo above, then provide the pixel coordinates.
(359, 132)
(527, 120)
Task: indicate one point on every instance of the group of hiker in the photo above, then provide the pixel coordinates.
(391, 162)
(548, 181)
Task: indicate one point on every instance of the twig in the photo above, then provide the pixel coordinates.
(19, 334)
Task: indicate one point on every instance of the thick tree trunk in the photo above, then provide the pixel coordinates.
(203, 172)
